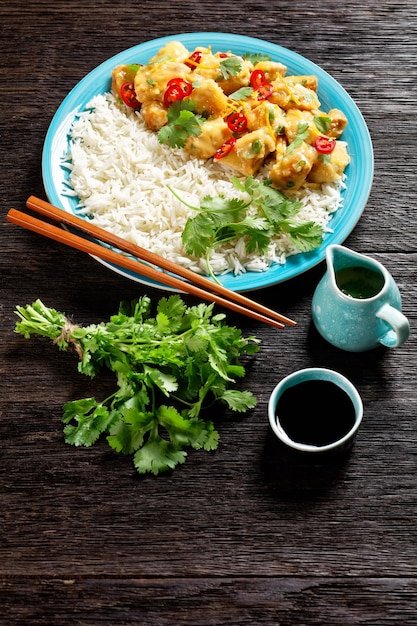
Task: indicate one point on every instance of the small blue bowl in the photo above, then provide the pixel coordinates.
(315, 374)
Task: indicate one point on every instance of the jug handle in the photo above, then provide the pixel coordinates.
(400, 326)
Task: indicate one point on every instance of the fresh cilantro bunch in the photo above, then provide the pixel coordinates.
(265, 213)
(168, 367)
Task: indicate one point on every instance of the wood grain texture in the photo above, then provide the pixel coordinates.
(210, 601)
(250, 534)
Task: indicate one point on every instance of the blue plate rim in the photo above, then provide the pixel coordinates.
(360, 171)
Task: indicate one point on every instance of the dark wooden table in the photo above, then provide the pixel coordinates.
(249, 534)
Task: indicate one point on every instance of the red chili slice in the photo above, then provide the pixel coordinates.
(177, 89)
(324, 145)
(264, 91)
(224, 55)
(172, 94)
(237, 122)
(128, 95)
(183, 84)
(225, 148)
(194, 59)
(257, 79)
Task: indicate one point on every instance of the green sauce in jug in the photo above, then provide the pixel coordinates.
(359, 282)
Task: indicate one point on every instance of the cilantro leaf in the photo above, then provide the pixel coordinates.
(274, 204)
(86, 420)
(199, 234)
(302, 134)
(128, 433)
(230, 66)
(241, 94)
(256, 57)
(259, 236)
(157, 456)
(133, 67)
(182, 123)
(305, 235)
(193, 432)
(174, 308)
(167, 383)
(220, 204)
(323, 123)
(239, 400)
(267, 212)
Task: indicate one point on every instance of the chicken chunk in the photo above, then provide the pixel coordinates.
(122, 74)
(235, 80)
(301, 97)
(151, 80)
(213, 135)
(277, 118)
(264, 115)
(154, 114)
(292, 168)
(208, 66)
(250, 152)
(310, 82)
(338, 123)
(271, 69)
(209, 98)
(281, 94)
(295, 119)
(172, 51)
(329, 168)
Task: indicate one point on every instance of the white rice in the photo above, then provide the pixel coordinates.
(120, 174)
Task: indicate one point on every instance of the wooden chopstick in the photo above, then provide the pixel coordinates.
(79, 243)
(48, 210)
(235, 301)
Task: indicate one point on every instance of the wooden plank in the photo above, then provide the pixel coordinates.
(250, 534)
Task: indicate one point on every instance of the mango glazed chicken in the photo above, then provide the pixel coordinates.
(242, 111)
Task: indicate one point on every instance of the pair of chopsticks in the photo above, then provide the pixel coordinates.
(193, 284)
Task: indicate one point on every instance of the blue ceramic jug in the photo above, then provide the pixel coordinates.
(357, 305)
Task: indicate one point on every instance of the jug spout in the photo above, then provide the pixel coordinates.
(338, 257)
(355, 275)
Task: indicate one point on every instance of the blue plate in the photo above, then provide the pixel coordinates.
(359, 172)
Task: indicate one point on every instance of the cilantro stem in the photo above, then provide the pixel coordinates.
(190, 206)
(209, 267)
(211, 209)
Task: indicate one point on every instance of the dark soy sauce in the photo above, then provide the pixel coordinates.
(315, 412)
(359, 282)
